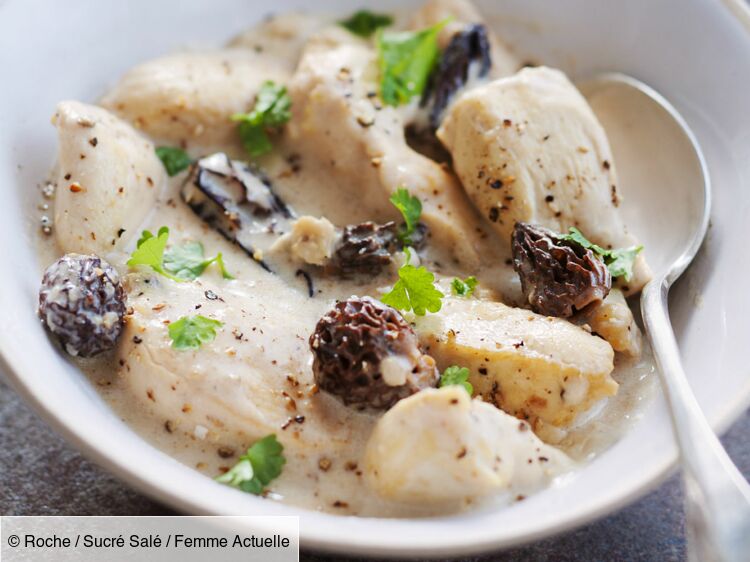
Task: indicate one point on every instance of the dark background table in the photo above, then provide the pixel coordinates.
(40, 474)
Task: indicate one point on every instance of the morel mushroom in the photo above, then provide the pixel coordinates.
(368, 356)
(558, 276)
(230, 196)
(82, 303)
(466, 56)
(369, 247)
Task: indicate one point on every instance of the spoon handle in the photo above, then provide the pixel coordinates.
(717, 495)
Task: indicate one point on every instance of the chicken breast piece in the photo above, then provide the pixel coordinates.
(440, 446)
(529, 148)
(281, 35)
(249, 381)
(108, 179)
(538, 368)
(613, 320)
(189, 98)
(358, 147)
(463, 13)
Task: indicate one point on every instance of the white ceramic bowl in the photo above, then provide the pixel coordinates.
(696, 52)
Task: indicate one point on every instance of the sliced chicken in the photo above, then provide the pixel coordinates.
(538, 368)
(440, 446)
(281, 35)
(108, 179)
(463, 13)
(529, 148)
(358, 145)
(613, 320)
(253, 379)
(189, 98)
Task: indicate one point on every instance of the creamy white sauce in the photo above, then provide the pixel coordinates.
(323, 476)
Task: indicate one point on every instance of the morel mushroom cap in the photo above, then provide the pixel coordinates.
(558, 276)
(82, 302)
(367, 355)
(368, 247)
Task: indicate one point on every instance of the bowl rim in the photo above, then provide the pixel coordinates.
(326, 538)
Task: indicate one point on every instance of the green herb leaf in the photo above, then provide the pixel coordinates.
(150, 252)
(188, 262)
(257, 468)
(190, 332)
(174, 159)
(411, 209)
(272, 109)
(619, 261)
(364, 22)
(464, 287)
(415, 290)
(458, 376)
(406, 60)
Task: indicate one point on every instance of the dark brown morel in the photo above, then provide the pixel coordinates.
(367, 248)
(468, 52)
(82, 303)
(558, 277)
(368, 356)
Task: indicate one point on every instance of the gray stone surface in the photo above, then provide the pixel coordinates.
(41, 475)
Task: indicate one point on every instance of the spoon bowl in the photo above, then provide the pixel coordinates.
(661, 169)
(666, 174)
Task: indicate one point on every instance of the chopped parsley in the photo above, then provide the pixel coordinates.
(180, 263)
(150, 252)
(411, 209)
(619, 261)
(188, 262)
(174, 159)
(364, 22)
(190, 332)
(272, 109)
(415, 290)
(458, 376)
(257, 467)
(464, 287)
(406, 60)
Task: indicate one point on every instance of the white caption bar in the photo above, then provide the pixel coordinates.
(83, 539)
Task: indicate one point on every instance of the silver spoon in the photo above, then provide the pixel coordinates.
(674, 181)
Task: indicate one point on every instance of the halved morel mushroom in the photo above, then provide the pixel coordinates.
(368, 356)
(231, 196)
(467, 56)
(558, 276)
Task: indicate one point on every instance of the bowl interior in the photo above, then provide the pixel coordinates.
(700, 61)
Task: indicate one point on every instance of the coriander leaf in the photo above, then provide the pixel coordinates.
(364, 22)
(458, 376)
(575, 235)
(272, 109)
(406, 60)
(267, 458)
(187, 261)
(415, 290)
(464, 287)
(619, 261)
(190, 332)
(256, 468)
(150, 252)
(411, 209)
(174, 159)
